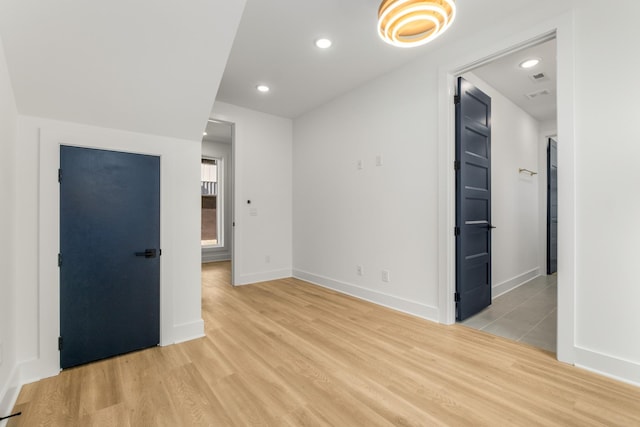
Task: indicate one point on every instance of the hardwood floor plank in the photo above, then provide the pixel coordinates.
(288, 353)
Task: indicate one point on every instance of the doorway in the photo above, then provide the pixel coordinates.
(524, 304)
(217, 191)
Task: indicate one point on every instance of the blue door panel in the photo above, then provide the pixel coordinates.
(109, 212)
(473, 200)
(552, 207)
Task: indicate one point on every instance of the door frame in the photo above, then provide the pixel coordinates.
(561, 28)
(51, 138)
(231, 198)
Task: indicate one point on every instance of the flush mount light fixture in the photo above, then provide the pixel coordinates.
(410, 23)
(323, 43)
(530, 63)
(204, 134)
(263, 88)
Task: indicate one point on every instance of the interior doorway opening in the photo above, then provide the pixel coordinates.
(524, 296)
(216, 189)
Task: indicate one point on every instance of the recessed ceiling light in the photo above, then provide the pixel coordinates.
(263, 88)
(529, 63)
(323, 43)
(204, 134)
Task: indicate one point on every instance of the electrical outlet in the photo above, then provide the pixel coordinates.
(267, 259)
(379, 160)
(359, 270)
(386, 276)
(360, 164)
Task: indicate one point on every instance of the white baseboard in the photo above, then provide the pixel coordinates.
(9, 394)
(247, 279)
(188, 331)
(396, 303)
(514, 282)
(215, 256)
(609, 366)
(36, 369)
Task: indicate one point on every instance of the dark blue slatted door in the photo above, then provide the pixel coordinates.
(552, 207)
(109, 246)
(473, 200)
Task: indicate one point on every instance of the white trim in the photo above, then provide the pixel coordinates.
(609, 366)
(9, 395)
(514, 282)
(188, 331)
(220, 217)
(213, 256)
(395, 303)
(248, 279)
(563, 28)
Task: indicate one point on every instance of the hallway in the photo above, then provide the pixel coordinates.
(527, 314)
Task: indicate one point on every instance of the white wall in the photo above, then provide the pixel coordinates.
(515, 198)
(378, 217)
(221, 150)
(607, 204)
(262, 165)
(37, 299)
(8, 283)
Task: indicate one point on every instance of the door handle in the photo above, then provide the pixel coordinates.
(148, 253)
(489, 226)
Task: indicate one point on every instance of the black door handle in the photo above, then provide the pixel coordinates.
(489, 226)
(148, 253)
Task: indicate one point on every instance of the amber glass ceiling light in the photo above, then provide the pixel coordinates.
(409, 23)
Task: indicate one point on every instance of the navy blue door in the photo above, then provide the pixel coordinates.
(552, 207)
(473, 200)
(109, 253)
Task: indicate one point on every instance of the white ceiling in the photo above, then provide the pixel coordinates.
(153, 66)
(218, 132)
(274, 46)
(143, 65)
(505, 75)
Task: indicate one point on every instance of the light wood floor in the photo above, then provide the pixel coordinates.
(292, 354)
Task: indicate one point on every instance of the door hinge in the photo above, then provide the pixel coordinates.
(59, 260)
(59, 343)
(456, 165)
(456, 297)
(456, 99)
(59, 175)
(456, 231)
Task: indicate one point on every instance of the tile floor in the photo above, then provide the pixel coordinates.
(526, 314)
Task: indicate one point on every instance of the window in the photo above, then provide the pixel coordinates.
(211, 231)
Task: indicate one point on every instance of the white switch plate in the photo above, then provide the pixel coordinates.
(359, 270)
(360, 164)
(379, 160)
(386, 276)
